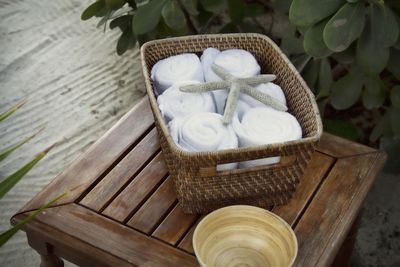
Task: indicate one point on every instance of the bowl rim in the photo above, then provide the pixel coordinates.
(254, 208)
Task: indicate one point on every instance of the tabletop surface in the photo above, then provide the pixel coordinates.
(121, 209)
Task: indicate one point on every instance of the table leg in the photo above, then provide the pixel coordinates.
(344, 255)
(50, 261)
(45, 250)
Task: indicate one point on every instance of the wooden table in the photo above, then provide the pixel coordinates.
(122, 209)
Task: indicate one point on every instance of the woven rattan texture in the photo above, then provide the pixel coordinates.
(265, 186)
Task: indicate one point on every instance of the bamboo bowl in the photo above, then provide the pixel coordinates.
(244, 236)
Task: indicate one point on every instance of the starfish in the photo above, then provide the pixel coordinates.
(235, 86)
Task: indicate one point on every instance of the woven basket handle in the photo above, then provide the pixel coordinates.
(284, 162)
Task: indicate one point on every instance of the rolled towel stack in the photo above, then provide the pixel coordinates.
(177, 68)
(173, 103)
(264, 125)
(204, 132)
(192, 119)
(237, 62)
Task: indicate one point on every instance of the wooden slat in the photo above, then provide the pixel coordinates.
(339, 147)
(108, 187)
(155, 208)
(175, 225)
(114, 238)
(323, 227)
(186, 243)
(99, 157)
(130, 199)
(317, 169)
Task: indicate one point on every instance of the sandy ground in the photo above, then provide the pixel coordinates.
(77, 87)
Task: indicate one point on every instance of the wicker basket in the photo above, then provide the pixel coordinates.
(199, 186)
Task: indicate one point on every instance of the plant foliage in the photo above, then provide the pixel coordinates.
(347, 51)
(10, 181)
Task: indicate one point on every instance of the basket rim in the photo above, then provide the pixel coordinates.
(177, 150)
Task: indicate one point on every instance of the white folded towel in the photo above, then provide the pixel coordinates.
(177, 68)
(174, 103)
(204, 132)
(237, 62)
(264, 125)
(270, 89)
(207, 59)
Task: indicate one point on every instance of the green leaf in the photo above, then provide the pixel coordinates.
(373, 100)
(301, 61)
(122, 22)
(4, 237)
(253, 10)
(310, 73)
(385, 28)
(115, 4)
(93, 10)
(373, 84)
(11, 110)
(5, 153)
(325, 78)
(147, 17)
(383, 127)
(125, 41)
(392, 148)
(214, 6)
(236, 10)
(173, 15)
(9, 182)
(342, 128)
(394, 63)
(106, 17)
(344, 27)
(190, 6)
(143, 38)
(347, 56)
(371, 56)
(346, 91)
(309, 12)
(313, 41)
(395, 120)
(395, 96)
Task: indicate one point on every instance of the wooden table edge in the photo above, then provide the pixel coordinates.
(347, 221)
(47, 244)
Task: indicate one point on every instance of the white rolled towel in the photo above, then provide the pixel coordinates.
(246, 102)
(270, 89)
(173, 103)
(204, 132)
(207, 59)
(237, 62)
(264, 125)
(177, 68)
